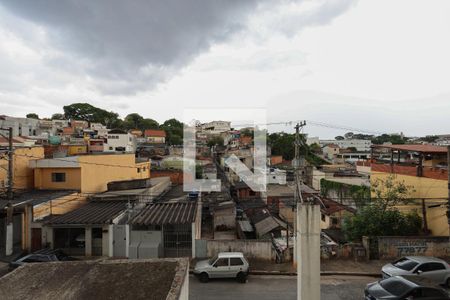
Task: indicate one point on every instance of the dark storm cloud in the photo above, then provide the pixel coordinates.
(122, 38)
(129, 46)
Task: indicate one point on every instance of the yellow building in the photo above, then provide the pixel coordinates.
(423, 168)
(23, 176)
(87, 173)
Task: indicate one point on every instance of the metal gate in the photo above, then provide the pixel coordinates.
(119, 240)
(177, 240)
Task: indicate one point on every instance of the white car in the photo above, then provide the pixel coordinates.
(223, 265)
(432, 268)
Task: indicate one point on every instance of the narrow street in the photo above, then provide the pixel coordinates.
(277, 287)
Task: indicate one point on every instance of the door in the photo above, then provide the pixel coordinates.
(119, 240)
(236, 266)
(220, 268)
(36, 239)
(435, 271)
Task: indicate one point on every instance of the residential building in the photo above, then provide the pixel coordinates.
(87, 173)
(155, 136)
(119, 141)
(333, 213)
(359, 145)
(166, 229)
(20, 126)
(23, 176)
(216, 127)
(99, 129)
(330, 150)
(424, 168)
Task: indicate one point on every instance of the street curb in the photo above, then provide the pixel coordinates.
(322, 273)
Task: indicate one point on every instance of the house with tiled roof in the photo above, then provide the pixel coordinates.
(155, 136)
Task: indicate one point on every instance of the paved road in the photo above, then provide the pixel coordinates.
(277, 287)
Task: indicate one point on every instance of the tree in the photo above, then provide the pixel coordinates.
(133, 121)
(57, 116)
(352, 149)
(215, 141)
(339, 138)
(149, 124)
(174, 131)
(349, 135)
(92, 114)
(390, 192)
(389, 138)
(381, 216)
(32, 116)
(315, 148)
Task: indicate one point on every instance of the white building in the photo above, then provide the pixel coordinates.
(360, 145)
(216, 127)
(20, 126)
(101, 129)
(119, 142)
(276, 176)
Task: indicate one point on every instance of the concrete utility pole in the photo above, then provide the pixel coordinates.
(308, 235)
(10, 195)
(448, 187)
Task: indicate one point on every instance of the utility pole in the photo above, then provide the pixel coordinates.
(307, 234)
(298, 182)
(10, 195)
(448, 187)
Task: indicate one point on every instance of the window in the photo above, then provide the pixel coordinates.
(405, 264)
(222, 262)
(236, 261)
(334, 221)
(428, 267)
(322, 217)
(58, 177)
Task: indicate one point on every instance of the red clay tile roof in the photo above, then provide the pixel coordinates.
(154, 132)
(329, 206)
(415, 148)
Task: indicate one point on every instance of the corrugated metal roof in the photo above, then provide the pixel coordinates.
(95, 212)
(166, 213)
(415, 148)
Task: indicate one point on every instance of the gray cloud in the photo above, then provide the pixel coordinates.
(129, 46)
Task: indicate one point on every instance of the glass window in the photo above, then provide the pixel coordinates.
(394, 286)
(405, 264)
(58, 177)
(236, 261)
(222, 262)
(428, 267)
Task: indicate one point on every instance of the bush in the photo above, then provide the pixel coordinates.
(372, 220)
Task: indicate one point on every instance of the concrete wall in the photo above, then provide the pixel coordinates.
(98, 170)
(394, 246)
(43, 179)
(261, 249)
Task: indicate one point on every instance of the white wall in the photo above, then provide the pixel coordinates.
(115, 140)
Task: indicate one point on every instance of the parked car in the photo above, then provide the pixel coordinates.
(432, 268)
(223, 265)
(407, 287)
(43, 255)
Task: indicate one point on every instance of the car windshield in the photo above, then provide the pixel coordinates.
(212, 260)
(405, 264)
(394, 286)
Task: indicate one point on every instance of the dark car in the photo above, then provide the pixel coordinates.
(43, 255)
(405, 288)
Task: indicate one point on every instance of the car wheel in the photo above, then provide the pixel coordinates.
(241, 277)
(204, 277)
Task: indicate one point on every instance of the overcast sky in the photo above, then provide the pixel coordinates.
(381, 66)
